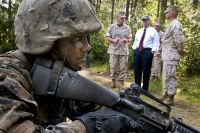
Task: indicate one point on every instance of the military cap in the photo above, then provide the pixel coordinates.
(145, 18)
(171, 8)
(121, 14)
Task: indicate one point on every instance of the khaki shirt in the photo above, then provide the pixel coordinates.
(172, 41)
(121, 32)
(18, 109)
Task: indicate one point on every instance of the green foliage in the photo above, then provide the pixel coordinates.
(189, 86)
(98, 43)
(6, 47)
(130, 59)
(156, 87)
(7, 26)
(192, 60)
(190, 19)
(99, 49)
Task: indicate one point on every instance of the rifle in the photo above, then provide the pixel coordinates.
(71, 85)
(152, 117)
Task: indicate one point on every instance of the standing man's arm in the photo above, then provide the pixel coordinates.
(110, 38)
(135, 41)
(128, 38)
(156, 42)
(178, 39)
(161, 39)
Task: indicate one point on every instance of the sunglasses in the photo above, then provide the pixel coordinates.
(145, 20)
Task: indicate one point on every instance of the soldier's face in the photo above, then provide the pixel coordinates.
(74, 51)
(170, 15)
(120, 20)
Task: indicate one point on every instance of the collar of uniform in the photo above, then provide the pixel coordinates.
(146, 28)
(173, 21)
(119, 25)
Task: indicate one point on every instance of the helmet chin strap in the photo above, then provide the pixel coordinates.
(45, 76)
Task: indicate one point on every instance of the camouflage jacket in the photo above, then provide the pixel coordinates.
(22, 112)
(172, 41)
(121, 32)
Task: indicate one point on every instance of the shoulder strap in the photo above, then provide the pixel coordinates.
(51, 71)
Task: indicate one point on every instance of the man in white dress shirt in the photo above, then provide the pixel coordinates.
(145, 44)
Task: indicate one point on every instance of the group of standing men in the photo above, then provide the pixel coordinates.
(150, 46)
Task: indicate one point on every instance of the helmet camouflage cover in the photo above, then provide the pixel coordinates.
(39, 23)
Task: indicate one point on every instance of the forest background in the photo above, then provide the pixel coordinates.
(189, 16)
(189, 67)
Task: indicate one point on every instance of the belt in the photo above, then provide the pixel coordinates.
(144, 49)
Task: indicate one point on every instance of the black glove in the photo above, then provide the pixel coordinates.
(108, 121)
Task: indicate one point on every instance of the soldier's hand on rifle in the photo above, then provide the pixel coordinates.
(108, 121)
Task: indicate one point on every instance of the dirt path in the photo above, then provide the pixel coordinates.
(189, 112)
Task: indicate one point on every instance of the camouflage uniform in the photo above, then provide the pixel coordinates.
(156, 64)
(172, 46)
(21, 111)
(118, 52)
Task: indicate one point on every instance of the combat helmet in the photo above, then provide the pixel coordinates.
(39, 23)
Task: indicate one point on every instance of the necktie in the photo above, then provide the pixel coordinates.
(141, 41)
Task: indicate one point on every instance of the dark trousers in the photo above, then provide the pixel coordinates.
(142, 62)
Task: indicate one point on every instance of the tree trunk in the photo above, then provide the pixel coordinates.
(134, 8)
(10, 27)
(158, 9)
(171, 2)
(162, 14)
(97, 5)
(131, 6)
(127, 9)
(195, 2)
(112, 12)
